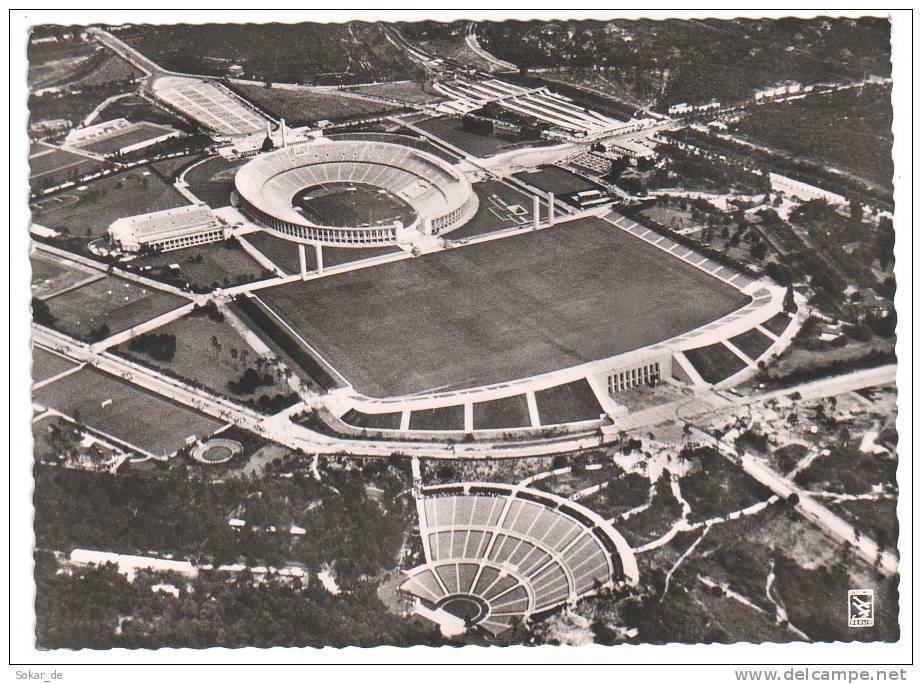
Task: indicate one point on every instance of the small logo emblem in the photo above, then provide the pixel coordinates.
(861, 608)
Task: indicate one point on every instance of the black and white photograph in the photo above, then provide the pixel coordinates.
(522, 331)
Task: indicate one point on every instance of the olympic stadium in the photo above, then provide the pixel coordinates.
(541, 325)
(420, 192)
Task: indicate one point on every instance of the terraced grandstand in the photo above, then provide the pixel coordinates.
(497, 553)
(440, 196)
(211, 104)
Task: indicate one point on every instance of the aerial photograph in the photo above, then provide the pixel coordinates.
(454, 333)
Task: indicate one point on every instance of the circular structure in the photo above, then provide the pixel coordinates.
(413, 184)
(216, 451)
(496, 553)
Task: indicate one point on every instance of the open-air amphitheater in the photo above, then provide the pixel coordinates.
(497, 553)
(440, 196)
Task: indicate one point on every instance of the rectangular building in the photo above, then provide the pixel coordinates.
(164, 231)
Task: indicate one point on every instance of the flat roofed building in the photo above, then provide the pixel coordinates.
(164, 231)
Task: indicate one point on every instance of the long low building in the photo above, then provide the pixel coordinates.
(164, 231)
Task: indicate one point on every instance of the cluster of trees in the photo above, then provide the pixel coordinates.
(96, 607)
(41, 312)
(250, 381)
(158, 346)
(189, 519)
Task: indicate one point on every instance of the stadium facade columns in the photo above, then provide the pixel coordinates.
(302, 259)
(318, 248)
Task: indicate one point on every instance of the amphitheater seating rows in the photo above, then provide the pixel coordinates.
(518, 556)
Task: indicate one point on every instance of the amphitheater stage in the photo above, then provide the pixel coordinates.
(500, 310)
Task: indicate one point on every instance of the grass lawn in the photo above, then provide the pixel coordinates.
(284, 253)
(451, 131)
(51, 274)
(499, 414)
(213, 180)
(60, 160)
(112, 301)
(304, 106)
(125, 194)
(670, 217)
(777, 323)
(221, 265)
(568, 403)
(406, 91)
(752, 343)
(714, 362)
(496, 210)
(375, 421)
(46, 364)
(444, 418)
(111, 405)
(196, 360)
(500, 310)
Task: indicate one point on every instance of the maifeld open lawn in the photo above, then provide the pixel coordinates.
(500, 310)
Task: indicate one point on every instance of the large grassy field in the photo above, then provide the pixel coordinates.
(500, 310)
(197, 360)
(299, 107)
(111, 301)
(128, 413)
(51, 275)
(88, 213)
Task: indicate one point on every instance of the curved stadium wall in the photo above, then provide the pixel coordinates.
(441, 196)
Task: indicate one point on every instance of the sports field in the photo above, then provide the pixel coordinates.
(90, 212)
(500, 310)
(51, 275)
(351, 204)
(115, 407)
(111, 301)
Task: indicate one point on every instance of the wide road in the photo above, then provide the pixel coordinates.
(279, 428)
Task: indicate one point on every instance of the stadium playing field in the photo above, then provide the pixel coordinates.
(500, 310)
(351, 204)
